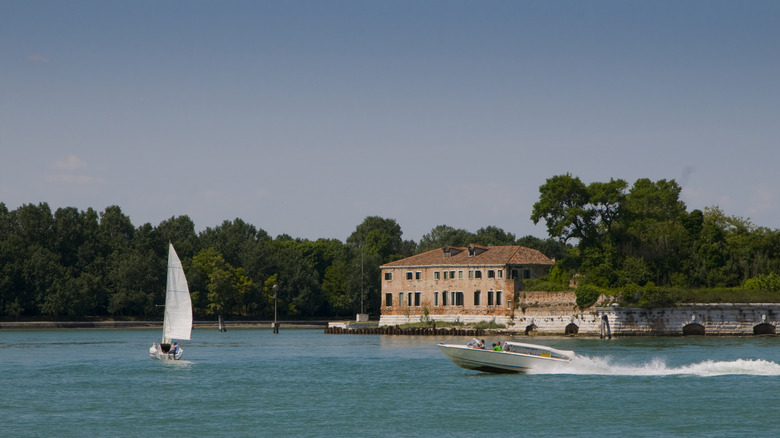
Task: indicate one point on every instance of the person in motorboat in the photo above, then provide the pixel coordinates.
(497, 346)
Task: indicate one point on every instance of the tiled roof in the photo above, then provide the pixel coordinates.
(483, 255)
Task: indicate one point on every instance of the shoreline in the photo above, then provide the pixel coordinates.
(148, 324)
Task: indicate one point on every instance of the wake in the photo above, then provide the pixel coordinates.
(605, 366)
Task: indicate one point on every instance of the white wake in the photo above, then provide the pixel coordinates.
(658, 367)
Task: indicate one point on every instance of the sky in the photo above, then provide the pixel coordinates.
(306, 117)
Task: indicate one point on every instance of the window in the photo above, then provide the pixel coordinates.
(417, 296)
(477, 274)
(446, 275)
(409, 296)
(508, 303)
(513, 275)
(471, 274)
(418, 275)
(388, 276)
(526, 274)
(400, 299)
(452, 275)
(436, 299)
(500, 273)
(498, 298)
(457, 298)
(476, 298)
(409, 275)
(389, 300)
(436, 275)
(444, 298)
(491, 273)
(490, 298)
(460, 274)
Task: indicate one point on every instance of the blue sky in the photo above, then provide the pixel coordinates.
(305, 117)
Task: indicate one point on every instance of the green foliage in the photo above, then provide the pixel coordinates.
(654, 297)
(766, 282)
(443, 235)
(489, 325)
(563, 205)
(338, 295)
(226, 286)
(587, 295)
(609, 236)
(648, 296)
(556, 280)
(493, 236)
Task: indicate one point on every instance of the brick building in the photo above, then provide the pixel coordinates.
(472, 284)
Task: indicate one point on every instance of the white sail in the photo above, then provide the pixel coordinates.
(178, 305)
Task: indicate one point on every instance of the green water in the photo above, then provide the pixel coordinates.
(301, 382)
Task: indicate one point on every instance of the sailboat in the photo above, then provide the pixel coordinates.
(177, 323)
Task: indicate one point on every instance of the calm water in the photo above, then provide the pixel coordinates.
(301, 382)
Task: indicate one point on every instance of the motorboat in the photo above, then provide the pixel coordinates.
(513, 357)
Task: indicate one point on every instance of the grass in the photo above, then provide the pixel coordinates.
(453, 324)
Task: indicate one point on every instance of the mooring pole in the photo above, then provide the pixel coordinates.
(276, 324)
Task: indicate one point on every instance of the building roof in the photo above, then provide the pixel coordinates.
(474, 255)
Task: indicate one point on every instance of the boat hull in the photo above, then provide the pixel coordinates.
(156, 352)
(491, 361)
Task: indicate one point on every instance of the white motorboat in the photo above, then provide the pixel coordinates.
(177, 322)
(514, 357)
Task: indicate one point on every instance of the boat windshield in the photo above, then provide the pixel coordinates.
(474, 343)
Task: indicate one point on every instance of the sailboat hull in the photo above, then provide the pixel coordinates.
(156, 352)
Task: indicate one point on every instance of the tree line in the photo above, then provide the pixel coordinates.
(642, 237)
(73, 264)
(80, 264)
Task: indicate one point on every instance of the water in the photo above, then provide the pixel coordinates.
(301, 382)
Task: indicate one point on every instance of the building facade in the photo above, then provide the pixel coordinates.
(471, 284)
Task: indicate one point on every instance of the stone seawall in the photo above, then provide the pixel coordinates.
(555, 313)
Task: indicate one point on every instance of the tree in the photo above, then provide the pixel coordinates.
(379, 236)
(115, 231)
(235, 240)
(226, 286)
(605, 200)
(335, 286)
(443, 235)
(552, 248)
(563, 206)
(376, 241)
(136, 280)
(494, 236)
(180, 231)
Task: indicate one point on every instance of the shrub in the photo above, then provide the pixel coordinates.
(765, 282)
(587, 295)
(653, 297)
(488, 325)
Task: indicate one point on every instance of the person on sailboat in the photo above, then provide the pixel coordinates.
(174, 349)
